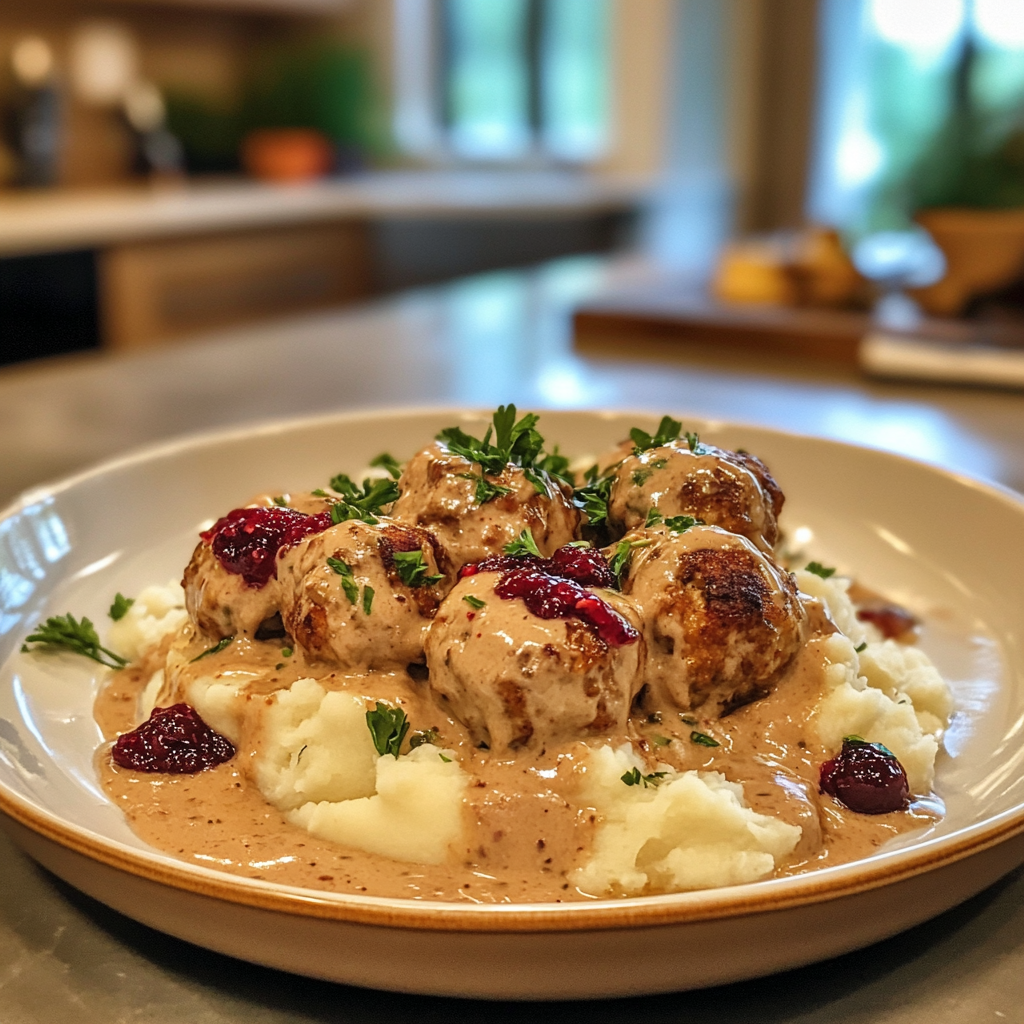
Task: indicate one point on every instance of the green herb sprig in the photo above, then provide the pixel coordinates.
(65, 632)
(349, 585)
(485, 489)
(119, 609)
(592, 496)
(819, 570)
(388, 462)
(216, 648)
(702, 739)
(388, 727)
(524, 544)
(364, 504)
(474, 602)
(619, 562)
(680, 524)
(412, 569)
(668, 430)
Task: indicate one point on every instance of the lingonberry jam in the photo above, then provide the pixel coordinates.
(891, 620)
(587, 566)
(247, 541)
(866, 777)
(174, 740)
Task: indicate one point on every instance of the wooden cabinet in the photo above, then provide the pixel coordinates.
(155, 291)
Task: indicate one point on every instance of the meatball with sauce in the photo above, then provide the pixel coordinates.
(442, 492)
(733, 490)
(518, 681)
(721, 619)
(361, 596)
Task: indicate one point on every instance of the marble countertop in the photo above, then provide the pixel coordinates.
(46, 221)
(479, 341)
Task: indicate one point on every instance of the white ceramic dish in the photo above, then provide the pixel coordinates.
(950, 548)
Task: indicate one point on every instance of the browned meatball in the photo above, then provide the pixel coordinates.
(519, 682)
(345, 601)
(441, 491)
(733, 490)
(221, 603)
(721, 620)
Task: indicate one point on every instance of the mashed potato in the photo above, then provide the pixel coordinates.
(156, 612)
(692, 830)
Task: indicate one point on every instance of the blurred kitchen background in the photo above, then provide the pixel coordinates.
(790, 175)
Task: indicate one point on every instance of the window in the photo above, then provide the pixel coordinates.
(502, 80)
(919, 100)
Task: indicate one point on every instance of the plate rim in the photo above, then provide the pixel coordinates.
(770, 895)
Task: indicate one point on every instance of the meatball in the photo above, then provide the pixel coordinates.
(721, 619)
(347, 600)
(521, 682)
(732, 490)
(222, 603)
(443, 492)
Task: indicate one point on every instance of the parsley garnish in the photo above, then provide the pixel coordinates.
(348, 580)
(556, 465)
(447, 760)
(693, 440)
(286, 652)
(281, 500)
(592, 497)
(388, 462)
(668, 430)
(702, 739)
(362, 504)
(388, 727)
(653, 517)
(79, 637)
(661, 741)
(474, 602)
(862, 647)
(367, 599)
(514, 441)
(619, 563)
(412, 569)
(216, 648)
(524, 544)
(634, 778)
(424, 736)
(641, 476)
(485, 490)
(680, 524)
(819, 570)
(119, 609)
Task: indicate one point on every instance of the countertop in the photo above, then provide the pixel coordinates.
(46, 221)
(479, 341)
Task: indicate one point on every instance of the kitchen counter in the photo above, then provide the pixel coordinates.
(54, 220)
(478, 341)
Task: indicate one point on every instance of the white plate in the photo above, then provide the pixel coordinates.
(950, 548)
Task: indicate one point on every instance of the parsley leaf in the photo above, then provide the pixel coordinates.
(653, 517)
(524, 544)
(619, 562)
(485, 490)
(702, 739)
(412, 569)
(634, 778)
(556, 465)
(364, 504)
(388, 727)
(593, 496)
(693, 440)
(474, 602)
(680, 524)
(281, 500)
(514, 441)
(348, 580)
(862, 647)
(423, 736)
(367, 599)
(668, 430)
(119, 609)
(216, 648)
(641, 476)
(388, 462)
(819, 570)
(80, 637)
(661, 741)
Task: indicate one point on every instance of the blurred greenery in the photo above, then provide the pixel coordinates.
(322, 85)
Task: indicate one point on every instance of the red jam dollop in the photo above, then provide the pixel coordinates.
(866, 777)
(554, 588)
(247, 541)
(891, 620)
(174, 740)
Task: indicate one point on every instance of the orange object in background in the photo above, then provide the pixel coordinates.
(287, 154)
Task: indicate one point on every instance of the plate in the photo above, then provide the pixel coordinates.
(949, 547)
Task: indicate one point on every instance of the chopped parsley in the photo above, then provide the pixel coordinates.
(634, 778)
(619, 562)
(447, 760)
(819, 570)
(412, 569)
(281, 499)
(702, 739)
(641, 476)
(661, 741)
(556, 465)
(668, 430)
(423, 736)
(688, 719)
(388, 727)
(367, 599)
(592, 497)
(216, 648)
(388, 462)
(286, 652)
(65, 632)
(119, 609)
(474, 602)
(680, 524)
(862, 647)
(348, 580)
(515, 441)
(364, 504)
(485, 490)
(693, 441)
(653, 516)
(524, 544)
